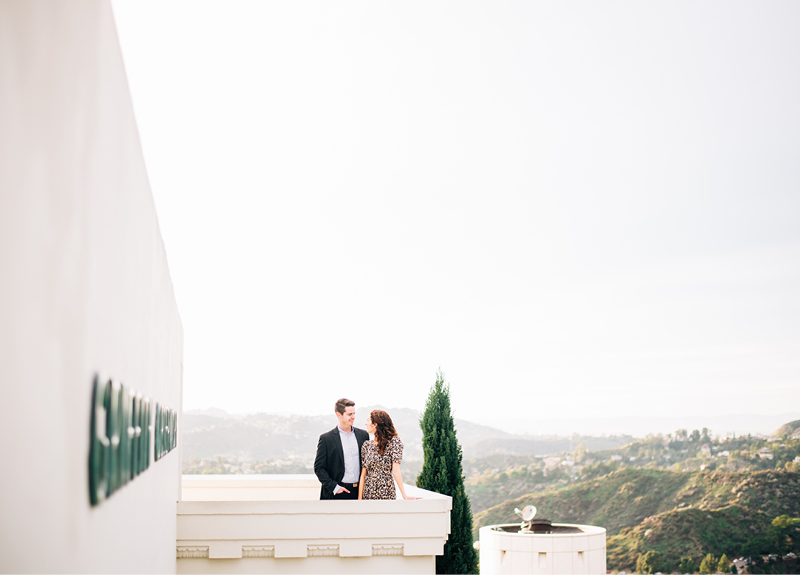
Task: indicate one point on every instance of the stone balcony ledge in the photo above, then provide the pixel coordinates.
(276, 523)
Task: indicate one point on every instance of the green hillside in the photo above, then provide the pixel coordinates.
(791, 429)
(493, 479)
(676, 514)
(688, 532)
(620, 499)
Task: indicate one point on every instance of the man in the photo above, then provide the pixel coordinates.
(338, 461)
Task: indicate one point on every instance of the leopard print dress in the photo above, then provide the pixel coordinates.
(379, 483)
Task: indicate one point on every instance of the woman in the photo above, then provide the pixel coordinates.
(380, 460)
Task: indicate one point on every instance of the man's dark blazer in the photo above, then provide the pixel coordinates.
(329, 462)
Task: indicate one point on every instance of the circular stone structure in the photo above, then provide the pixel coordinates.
(563, 548)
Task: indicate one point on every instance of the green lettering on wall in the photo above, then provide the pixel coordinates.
(136, 401)
(112, 431)
(98, 450)
(158, 433)
(120, 436)
(174, 430)
(124, 437)
(166, 431)
(147, 433)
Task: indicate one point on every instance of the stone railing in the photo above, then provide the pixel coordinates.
(250, 487)
(277, 524)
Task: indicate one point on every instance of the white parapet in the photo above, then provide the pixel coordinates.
(277, 524)
(288, 487)
(576, 549)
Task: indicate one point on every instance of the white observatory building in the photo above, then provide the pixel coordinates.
(538, 546)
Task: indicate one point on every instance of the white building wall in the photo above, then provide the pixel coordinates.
(509, 553)
(84, 287)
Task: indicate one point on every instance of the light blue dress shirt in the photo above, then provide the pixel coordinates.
(350, 452)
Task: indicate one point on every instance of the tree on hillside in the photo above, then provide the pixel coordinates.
(782, 533)
(708, 565)
(649, 562)
(724, 565)
(687, 565)
(442, 473)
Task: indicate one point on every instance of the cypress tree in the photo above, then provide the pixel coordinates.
(442, 473)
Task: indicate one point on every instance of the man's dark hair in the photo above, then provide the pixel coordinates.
(342, 403)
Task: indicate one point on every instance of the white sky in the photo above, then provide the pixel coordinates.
(575, 208)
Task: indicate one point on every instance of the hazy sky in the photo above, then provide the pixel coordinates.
(572, 208)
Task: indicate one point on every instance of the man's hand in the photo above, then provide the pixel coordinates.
(338, 491)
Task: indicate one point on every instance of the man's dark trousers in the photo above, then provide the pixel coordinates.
(352, 487)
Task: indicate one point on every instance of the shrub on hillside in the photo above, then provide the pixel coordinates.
(687, 565)
(648, 563)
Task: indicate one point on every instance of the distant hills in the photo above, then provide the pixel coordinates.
(640, 425)
(257, 437)
(261, 436)
(512, 445)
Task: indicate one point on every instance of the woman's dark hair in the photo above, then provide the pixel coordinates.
(384, 429)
